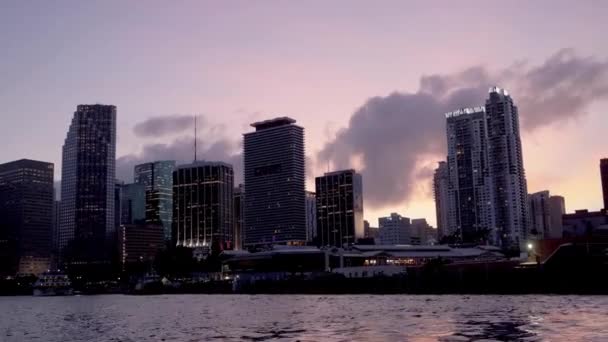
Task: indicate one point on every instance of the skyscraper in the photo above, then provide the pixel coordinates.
(275, 208)
(311, 215)
(394, 230)
(440, 191)
(88, 183)
(540, 215)
(133, 203)
(157, 177)
(203, 206)
(339, 208)
(468, 191)
(26, 216)
(604, 177)
(506, 170)
(239, 216)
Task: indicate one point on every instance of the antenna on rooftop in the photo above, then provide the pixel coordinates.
(194, 137)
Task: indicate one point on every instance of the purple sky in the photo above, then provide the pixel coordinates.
(235, 62)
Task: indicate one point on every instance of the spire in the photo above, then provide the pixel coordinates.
(195, 137)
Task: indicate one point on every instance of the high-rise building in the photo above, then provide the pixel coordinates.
(470, 210)
(26, 216)
(440, 192)
(203, 206)
(506, 170)
(604, 177)
(239, 216)
(419, 232)
(157, 177)
(275, 205)
(540, 215)
(311, 215)
(88, 184)
(557, 209)
(138, 244)
(339, 208)
(394, 230)
(133, 203)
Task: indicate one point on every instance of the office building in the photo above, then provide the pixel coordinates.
(133, 203)
(557, 208)
(469, 214)
(157, 177)
(88, 185)
(440, 193)
(506, 170)
(339, 208)
(604, 178)
(203, 206)
(139, 244)
(239, 216)
(275, 205)
(311, 216)
(394, 230)
(26, 216)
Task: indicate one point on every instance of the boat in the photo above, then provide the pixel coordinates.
(53, 284)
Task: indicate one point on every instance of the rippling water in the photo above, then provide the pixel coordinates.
(304, 318)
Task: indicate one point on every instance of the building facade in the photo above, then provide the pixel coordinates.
(339, 208)
(239, 216)
(470, 205)
(557, 208)
(203, 206)
(421, 233)
(133, 203)
(26, 216)
(604, 178)
(311, 216)
(139, 244)
(585, 223)
(506, 169)
(157, 177)
(87, 219)
(394, 230)
(275, 205)
(440, 193)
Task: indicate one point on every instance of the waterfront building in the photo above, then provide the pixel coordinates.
(203, 211)
(506, 169)
(88, 184)
(442, 207)
(139, 244)
(275, 205)
(311, 216)
(545, 215)
(394, 230)
(26, 216)
(469, 214)
(239, 216)
(339, 208)
(157, 177)
(557, 208)
(585, 223)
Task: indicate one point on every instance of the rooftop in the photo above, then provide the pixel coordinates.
(463, 111)
(198, 163)
(499, 91)
(276, 122)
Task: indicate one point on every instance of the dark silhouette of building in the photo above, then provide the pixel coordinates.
(157, 177)
(133, 203)
(87, 220)
(440, 193)
(585, 223)
(239, 216)
(139, 244)
(604, 176)
(26, 216)
(203, 211)
(311, 216)
(339, 208)
(275, 208)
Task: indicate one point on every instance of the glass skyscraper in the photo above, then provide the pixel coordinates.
(339, 197)
(275, 208)
(87, 221)
(157, 177)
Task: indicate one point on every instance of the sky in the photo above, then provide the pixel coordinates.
(369, 81)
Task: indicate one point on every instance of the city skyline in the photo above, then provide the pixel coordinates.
(323, 112)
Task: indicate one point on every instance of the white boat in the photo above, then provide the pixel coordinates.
(53, 284)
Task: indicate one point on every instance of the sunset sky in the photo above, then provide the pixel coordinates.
(369, 81)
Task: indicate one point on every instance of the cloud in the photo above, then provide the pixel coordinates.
(394, 136)
(165, 125)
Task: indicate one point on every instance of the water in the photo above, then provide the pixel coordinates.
(304, 318)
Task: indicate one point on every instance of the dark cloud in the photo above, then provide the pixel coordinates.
(164, 125)
(392, 136)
